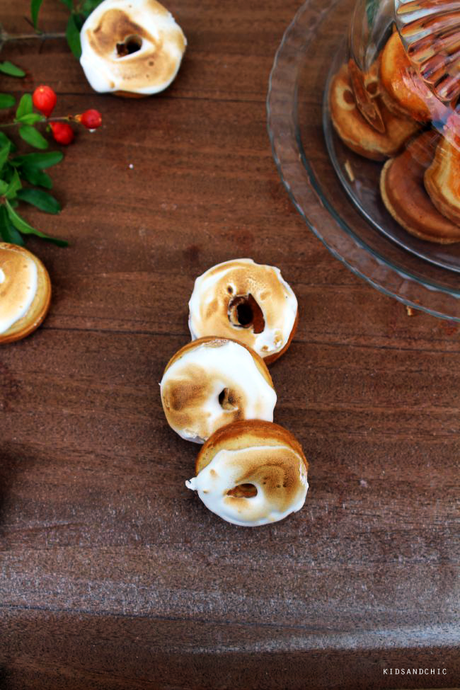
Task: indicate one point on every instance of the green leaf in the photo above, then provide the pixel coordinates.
(79, 20)
(68, 4)
(73, 36)
(34, 10)
(36, 176)
(11, 235)
(25, 106)
(7, 67)
(6, 100)
(39, 160)
(30, 119)
(89, 6)
(7, 231)
(24, 227)
(42, 200)
(32, 137)
(4, 141)
(8, 171)
(4, 153)
(14, 186)
(3, 187)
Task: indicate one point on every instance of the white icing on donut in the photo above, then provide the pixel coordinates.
(277, 472)
(18, 286)
(143, 23)
(191, 387)
(215, 292)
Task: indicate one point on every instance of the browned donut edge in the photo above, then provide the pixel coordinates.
(272, 358)
(404, 222)
(130, 94)
(37, 313)
(432, 184)
(259, 432)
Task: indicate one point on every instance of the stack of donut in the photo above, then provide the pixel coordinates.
(385, 114)
(217, 390)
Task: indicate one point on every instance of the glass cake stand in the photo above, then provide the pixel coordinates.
(343, 210)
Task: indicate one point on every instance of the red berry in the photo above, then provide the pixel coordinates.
(62, 132)
(44, 99)
(91, 119)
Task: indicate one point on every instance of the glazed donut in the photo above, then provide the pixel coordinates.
(442, 178)
(404, 195)
(25, 292)
(247, 302)
(212, 382)
(251, 473)
(355, 130)
(131, 47)
(404, 92)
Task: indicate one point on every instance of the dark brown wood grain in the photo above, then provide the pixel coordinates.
(113, 574)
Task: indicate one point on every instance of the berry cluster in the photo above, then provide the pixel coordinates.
(45, 99)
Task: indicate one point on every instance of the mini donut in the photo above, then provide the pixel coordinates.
(247, 302)
(131, 47)
(404, 92)
(365, 89)
(356, 131)
(25, 292)
(442, 178)
(404, 194)
(214, 381)
(251, 473)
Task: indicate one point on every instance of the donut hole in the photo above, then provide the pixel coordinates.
(372, 88)
(348, 97)
(226, 399)
(244, 312)
(243, 491)
(130, 45)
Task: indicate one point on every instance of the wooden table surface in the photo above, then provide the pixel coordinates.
(114, 575)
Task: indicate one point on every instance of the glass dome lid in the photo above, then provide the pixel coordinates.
(393, 100)
(390, 141)
(430, 31)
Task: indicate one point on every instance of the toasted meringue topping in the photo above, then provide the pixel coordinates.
(132, 46)
(18, 286)
(277, 473)
(212, 385)
(246, 301)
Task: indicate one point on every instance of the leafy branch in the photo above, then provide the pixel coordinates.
(79, 12)
(17, 168)
(14, 170)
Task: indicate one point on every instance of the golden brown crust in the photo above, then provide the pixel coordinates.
(40, 305)
(356, 132)
(272, 358)
(442, 180)
(245, 434)
(269, 307)
(218, 342)
(129, 94)
(404, 195)
(404, 91)
(135, 48)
